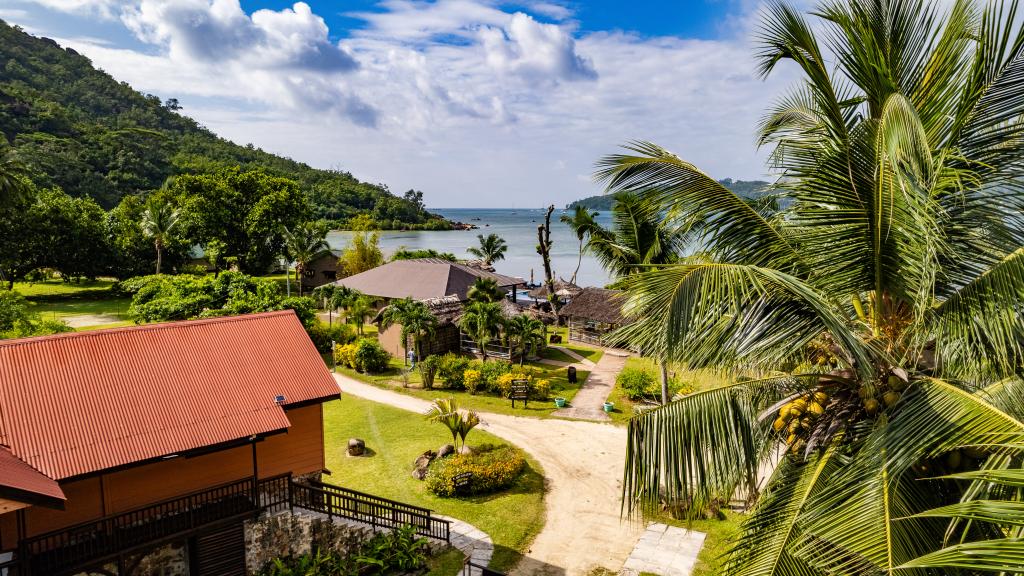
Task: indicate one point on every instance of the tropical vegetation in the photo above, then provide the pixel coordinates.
(490, 468)
(582, 223)
(481, 321)
(414, 319)
(870, 316)
(491, 248)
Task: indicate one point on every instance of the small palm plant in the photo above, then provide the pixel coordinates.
(481, 320)
(491, 249)
(485, 290)
(582, 223)
(158, 220)
(446, 411)
(870, 319)
(303, 242)
(527, 333)
(640, 238)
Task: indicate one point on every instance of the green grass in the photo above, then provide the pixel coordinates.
(481, 402)
(56, 288)
(105, 326)
(557, 355)
(74, 306)
(589, 352)
(697, 380)
(396, 437)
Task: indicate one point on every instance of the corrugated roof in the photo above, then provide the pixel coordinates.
(422, 278)
(76, 403)
(18, 480)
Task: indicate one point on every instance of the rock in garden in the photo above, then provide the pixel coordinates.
(446, 450)
(356, 447)
(419, 467)
(467, 450)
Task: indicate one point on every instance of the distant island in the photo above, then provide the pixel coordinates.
(745, 188)
(80, 130)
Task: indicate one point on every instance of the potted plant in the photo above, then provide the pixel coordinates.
(560, 402)
(609, 406)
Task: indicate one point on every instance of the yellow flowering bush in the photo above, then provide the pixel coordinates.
(541, 389)
(345, 355)
(504, 382)
(493, 468)
(471, 380)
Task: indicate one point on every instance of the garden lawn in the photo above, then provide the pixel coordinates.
(77, 306)
(481, 401)
(696, 380)
(56, 288)
(589, 352)
(395, 438)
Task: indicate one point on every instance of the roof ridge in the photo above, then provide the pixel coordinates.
(10, 343)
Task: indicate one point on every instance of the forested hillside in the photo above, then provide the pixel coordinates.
(77, 128)
(745, 188)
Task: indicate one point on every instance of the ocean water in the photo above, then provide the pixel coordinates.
(519, 229)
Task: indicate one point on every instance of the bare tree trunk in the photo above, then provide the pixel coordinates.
(159, 255)
(664, 383)
(298, 277)
(578, 263)
(544, 249)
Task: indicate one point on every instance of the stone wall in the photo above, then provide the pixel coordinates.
(286, 534)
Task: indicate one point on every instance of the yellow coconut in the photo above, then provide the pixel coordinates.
(871, 406)
(779, 424)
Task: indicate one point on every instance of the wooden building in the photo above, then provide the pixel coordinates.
(118, 442)
(592, 314)
(323, 268)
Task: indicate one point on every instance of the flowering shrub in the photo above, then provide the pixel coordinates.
(371, 356)
(345, 355)
(492, 468)
(541, 389)
(491, 371)
(471, 380)
(451, 368)
(637, 383)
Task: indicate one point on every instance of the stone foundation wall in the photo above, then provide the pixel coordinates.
(286, 534)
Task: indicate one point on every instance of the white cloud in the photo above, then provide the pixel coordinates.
(473, 104)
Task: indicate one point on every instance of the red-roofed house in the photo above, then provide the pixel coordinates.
(116, 441)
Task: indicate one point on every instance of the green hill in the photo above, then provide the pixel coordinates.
(78, 128)
(745, 188)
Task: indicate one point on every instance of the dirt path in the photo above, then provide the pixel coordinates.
(583, 463)
(588, 404)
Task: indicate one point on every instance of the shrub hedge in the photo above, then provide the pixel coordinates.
(493, 468)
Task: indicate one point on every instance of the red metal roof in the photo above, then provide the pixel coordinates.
(71, 404)
(20, 482)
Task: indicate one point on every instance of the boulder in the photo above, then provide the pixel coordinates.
(446, 450)
(356, 447)
(469, 450)
(419, 467)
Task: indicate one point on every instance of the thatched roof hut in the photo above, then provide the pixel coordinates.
(563, 289)
(593, 313)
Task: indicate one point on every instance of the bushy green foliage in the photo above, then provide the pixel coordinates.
(451, 368)
(18, 321)
(398, 551)
(158, 298)
(471, 380)
(371, 357)
(323, 334)
(493, 468)
(428, 370)
(413, 254)
(490, 371)
(91, 135)
(637, 383)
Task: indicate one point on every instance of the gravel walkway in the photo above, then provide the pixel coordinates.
(583, 465)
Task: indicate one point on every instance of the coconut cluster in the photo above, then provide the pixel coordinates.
(797, 418)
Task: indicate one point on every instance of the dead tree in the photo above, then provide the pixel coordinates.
(544, 249)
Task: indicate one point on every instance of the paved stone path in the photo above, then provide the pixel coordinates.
(583, 464)
(588, 404)
(665, 551)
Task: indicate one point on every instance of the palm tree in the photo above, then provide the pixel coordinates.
(872, 323)
(14, 183)
(446, 411)
(304, 242)
(415, 319)
(492, 248)
(158, 220)
(480, 321)
(485, 290)
(357, 308)
(640, 237)
(527, 334)
(583, 224)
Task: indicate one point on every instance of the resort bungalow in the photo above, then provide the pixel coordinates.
(145, 449)
(592, 314)
(441, 284)
(321, 269)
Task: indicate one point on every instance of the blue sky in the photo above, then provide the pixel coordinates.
(475, 102)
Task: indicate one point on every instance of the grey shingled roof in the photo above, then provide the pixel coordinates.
(421, 279)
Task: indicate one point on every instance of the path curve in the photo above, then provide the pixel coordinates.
(583, 464)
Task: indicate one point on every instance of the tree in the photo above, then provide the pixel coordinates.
(302, 243)
(485, 290)
(246, 210)
(582, 223)
(158, 221)
(446, 411)
(544, 246)
(358, 308)
(18, 321)
(640, 237)
(875, 317)
(14, 182)
(415, 320)
(491, 249)
(527, 335)
(214, 251)
(480, 321)
(362, 253)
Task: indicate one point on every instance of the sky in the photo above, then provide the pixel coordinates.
(478, 103)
